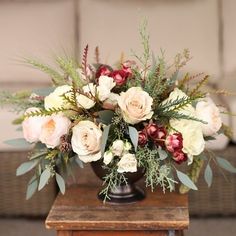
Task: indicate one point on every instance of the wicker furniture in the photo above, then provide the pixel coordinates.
(13, 189)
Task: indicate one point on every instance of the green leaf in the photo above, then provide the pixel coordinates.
(133, 133)
(44, 177)
(18, 142)
(223, 163)
(19, 128)
(106, 116)
(37, 155)
(208, 175)
(162, 154)
(32, 187)
(26, 167)
(61, 183)
(79, 162)
(184, 179)
(105, 134)
(209, 138)
(43, 91)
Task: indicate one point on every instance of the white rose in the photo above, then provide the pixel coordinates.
(32, 126)
(111, 102)
(55, 99)
(86, 141)
(117, 147)
(193, 141)
(135, 105)
(207, 111)
(127, 163)
(107, 158)
(54, 127)
(87, 101)
(105, 85)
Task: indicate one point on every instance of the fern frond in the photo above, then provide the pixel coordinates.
(56, 77)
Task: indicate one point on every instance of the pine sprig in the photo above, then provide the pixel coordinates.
(176, 104)
(56, 77)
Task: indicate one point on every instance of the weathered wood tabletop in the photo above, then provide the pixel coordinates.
(79, 212)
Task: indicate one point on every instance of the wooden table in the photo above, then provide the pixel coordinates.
(80, 213)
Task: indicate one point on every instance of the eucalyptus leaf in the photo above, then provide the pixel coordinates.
(79, 162)
(32, 187)
(162, 154)
(43, 91)
(223, 163)
(133, 133)
(26, 167)
(44, 178)
(37, 155)
(106, 116)
(19, 128)
(61, 183)
(184, 179)
(208, 175)
(18, 142)
(209, 138)
(104, 138)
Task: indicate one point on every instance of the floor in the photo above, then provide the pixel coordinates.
(198, 227)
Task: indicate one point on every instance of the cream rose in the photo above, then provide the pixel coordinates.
(55, 99)
(207, 111)
(117, 147)
(127, 163)
(135, 105)
(32, 126)
(53, 128)
(87, 101)
(86, 141)
(107, 157)
(105, 85)
(193, 141)
(111, 102)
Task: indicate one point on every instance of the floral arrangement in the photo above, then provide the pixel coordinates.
(139, 113)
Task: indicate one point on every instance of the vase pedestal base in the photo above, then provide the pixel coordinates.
(124, 194)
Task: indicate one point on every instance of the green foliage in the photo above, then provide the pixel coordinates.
(133, 134)
(208, 175)
(57, 78)
(44, 178)
(18, 142)
(69, 66)
(185, 180)
(156, 173)
(20, 101)
(223, 163)
(112, 180)
(43, 112)
(60, 183)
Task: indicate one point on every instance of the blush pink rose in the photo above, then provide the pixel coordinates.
(32, 126)
(52, 130)
(174, 142)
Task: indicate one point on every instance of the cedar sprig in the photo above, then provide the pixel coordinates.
(43, 112)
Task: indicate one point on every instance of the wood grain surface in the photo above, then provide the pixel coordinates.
(79, 209)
